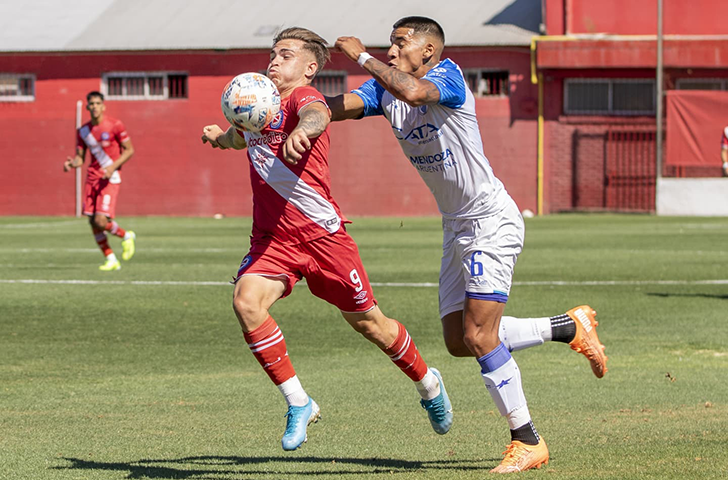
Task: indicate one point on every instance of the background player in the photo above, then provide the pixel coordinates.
(111, 148)
(432, 114)
(298, 231)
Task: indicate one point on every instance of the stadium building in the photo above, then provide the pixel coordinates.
(582, 70)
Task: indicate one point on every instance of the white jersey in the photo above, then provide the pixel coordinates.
(442, 141)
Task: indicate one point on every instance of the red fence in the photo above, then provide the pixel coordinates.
(629, 170)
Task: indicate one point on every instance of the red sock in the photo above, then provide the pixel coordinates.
(113, 228)
(269, 348)
(100, 237)
(404, 354)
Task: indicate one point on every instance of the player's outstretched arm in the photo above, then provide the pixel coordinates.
(75, 161)
(345, 107)
(405, 87)
(230, 138)
(313, 120)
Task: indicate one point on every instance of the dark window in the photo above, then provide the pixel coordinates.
(586, 96)
(330, 83)
(145, 86)
(701, 84)
(17, 88)
(156, 86)
(633, 96)
(177, 85)
(488, 83)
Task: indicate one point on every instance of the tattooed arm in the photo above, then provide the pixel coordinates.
(313, 120)
(403, 86)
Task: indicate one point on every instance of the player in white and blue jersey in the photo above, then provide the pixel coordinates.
(432, 114)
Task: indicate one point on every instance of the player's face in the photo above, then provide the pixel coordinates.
(407, 52)
(95, 107)
(290, 65)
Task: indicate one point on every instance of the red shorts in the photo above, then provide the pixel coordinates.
(100, 197)
(331, 266)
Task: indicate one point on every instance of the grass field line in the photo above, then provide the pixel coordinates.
(96, 250)
(556, 283)
(49, 224)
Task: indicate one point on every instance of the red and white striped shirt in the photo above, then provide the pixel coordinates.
(104, 141)
(291, 203)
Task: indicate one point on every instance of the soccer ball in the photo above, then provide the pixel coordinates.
(250, 101)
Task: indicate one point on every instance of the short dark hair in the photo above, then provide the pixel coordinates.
(422, 25)
(90, 95)
(311, 42)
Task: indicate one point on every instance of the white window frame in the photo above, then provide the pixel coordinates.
(723, 82)
(146, 96)
(610, 102)
(18, 77)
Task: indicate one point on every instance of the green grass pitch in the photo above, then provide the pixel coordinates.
(144, 374)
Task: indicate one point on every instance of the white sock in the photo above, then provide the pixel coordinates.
(518, 417)
(503, 380)
(429, 386)
(293, 392)
(520, 333)
(111, 257)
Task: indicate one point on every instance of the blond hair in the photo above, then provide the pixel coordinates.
(311, 42)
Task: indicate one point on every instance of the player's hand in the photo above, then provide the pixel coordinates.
(210, 134)
(108, 172)
(68, 164)
(296, 145)
(350, 46)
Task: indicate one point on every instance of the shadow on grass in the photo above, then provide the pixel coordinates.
(211, 467)
(701, 295)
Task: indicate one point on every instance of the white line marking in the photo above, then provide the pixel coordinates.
(96, 250)
(44, 224)
(556, 283)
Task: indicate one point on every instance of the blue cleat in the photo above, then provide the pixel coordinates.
(297, 419)
(439, 409)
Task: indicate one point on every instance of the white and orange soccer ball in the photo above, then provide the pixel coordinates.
(250, 101)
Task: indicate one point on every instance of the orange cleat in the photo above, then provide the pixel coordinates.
(520, 457)
(586, 340)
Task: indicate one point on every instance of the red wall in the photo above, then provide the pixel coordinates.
(574, 145)
(172, 173)
(630, 17)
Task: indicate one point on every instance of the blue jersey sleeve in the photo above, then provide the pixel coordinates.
(371, 93)
(449, 80)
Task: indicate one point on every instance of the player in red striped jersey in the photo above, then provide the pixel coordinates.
(110, 148)
(299, 232)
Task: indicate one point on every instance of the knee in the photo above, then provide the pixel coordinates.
(98, 222)
(478, 341)
(457, 348)
(248, 311)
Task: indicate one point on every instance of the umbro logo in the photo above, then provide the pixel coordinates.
(361, 295)
(272, 363)
(581, 315)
